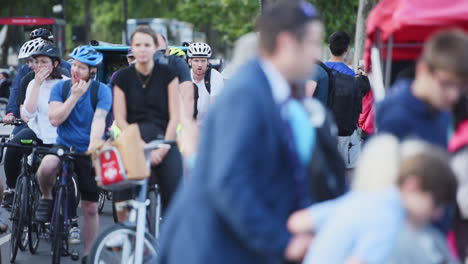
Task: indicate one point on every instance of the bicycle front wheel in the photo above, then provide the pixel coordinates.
(117, 245)
(18, 213)
(34, 228)
(101, 201)
(57, 233)
(153, 212)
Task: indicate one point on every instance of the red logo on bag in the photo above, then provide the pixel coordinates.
(110, 168)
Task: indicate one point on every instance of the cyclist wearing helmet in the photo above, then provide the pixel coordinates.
(209, 82)
(38, 37)
(35, 112)
(80, 124)
(42, 33)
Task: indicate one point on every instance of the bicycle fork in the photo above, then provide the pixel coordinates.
(141, 226)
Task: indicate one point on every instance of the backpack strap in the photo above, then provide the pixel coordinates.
(94, 93)
(331, 83)
(66, 89)
(195, 105)
(208, 79)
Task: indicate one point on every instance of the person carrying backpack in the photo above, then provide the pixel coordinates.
(208, 81)
(80, 122)
(344, 98)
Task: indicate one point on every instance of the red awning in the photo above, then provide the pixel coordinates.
(410, 23)
(27, 21)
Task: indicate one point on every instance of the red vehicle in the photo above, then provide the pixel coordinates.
(397, 29)
(14, 31)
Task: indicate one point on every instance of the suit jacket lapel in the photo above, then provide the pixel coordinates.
(268, 102)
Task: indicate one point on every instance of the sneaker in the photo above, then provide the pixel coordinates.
(8, 198)
(44, 210)
(74, 237)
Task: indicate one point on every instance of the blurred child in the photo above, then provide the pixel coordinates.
(409, 183)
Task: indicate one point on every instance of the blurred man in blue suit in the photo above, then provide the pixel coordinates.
(248, 176)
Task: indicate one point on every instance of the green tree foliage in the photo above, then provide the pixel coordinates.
(338, 15)
(230, 18)
(223, 20)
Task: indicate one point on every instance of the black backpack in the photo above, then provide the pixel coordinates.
(327, 169)
(344, 100)
(94, 98)
(208, 88)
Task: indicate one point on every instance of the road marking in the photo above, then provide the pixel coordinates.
(5, 239)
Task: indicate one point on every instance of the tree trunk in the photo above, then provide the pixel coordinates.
(365, 6)
(87, 20)
(9, 36)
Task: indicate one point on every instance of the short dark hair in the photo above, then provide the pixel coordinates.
(285, 15)
(145, 29)
(339, 43)
(432, 167)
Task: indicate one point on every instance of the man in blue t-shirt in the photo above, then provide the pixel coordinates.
(349, 146)
(80, 126)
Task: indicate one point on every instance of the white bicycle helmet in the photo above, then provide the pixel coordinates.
(199, 50)
(30, 46)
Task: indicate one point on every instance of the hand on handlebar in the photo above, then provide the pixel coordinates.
(8, 119)
(95, 144)
(157, 156)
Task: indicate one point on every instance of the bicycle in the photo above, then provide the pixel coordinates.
(24, 231)
(103, 196)
(138, 242)
(65, 192)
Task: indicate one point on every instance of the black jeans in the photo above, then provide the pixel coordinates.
(13, 156)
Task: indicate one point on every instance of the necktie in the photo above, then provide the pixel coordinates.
(300, 136)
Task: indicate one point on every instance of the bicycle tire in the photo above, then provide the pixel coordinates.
(100, 250)
(57, 227)
(114, 210)
(16, 217)
(101, 201)
(153, 212)
(24, 215)
(34, 227)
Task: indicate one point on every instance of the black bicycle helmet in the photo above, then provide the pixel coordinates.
(48, 50)
(42, 33)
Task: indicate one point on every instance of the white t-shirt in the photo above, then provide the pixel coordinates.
(205, 98)
(39, 120)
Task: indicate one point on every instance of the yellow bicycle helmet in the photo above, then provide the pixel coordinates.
(177, 51)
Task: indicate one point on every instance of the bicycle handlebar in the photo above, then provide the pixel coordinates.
(159, 144)
(15, 122)
(59, 151)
